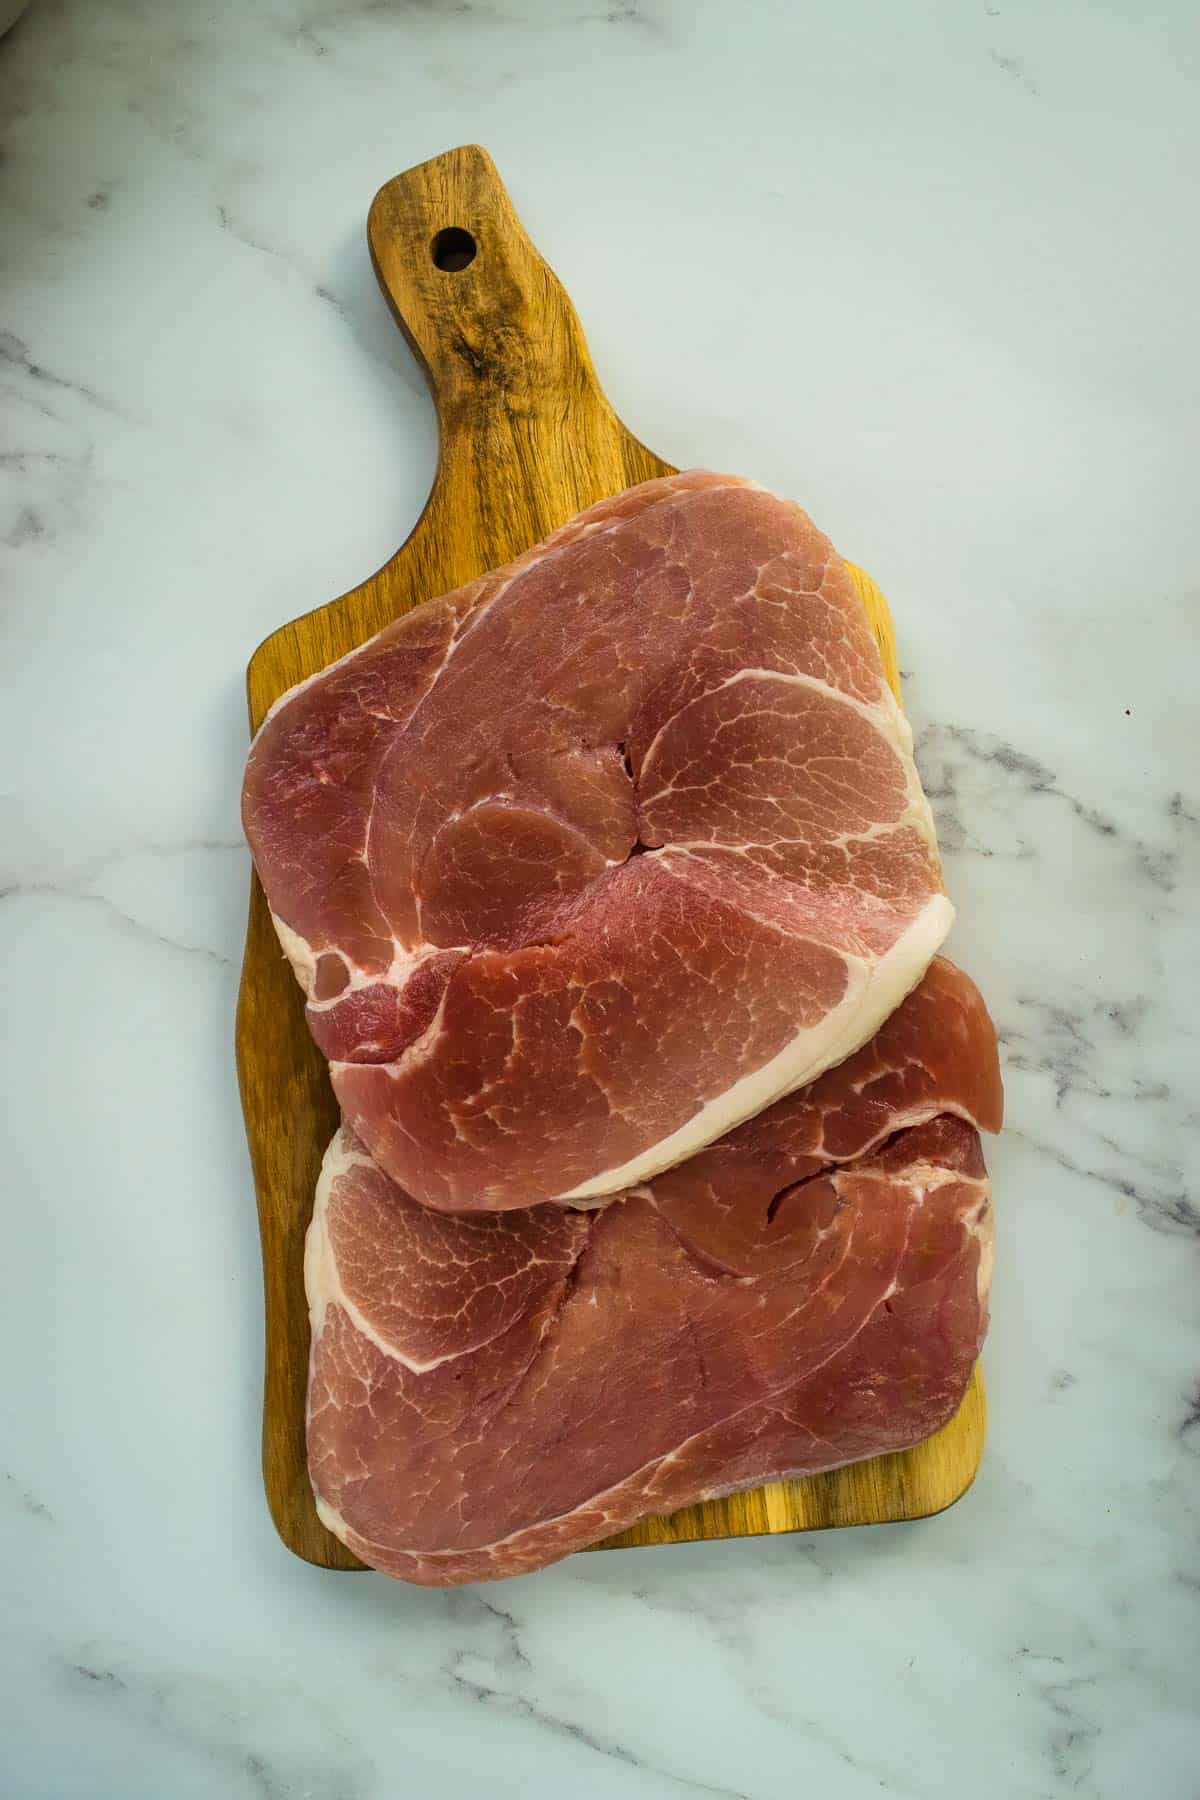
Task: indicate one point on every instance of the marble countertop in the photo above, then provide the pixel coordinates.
(930, 269)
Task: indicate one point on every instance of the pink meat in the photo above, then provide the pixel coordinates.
(490, 1392)
(588, 861)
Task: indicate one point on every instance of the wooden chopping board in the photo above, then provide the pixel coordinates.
(527, 439)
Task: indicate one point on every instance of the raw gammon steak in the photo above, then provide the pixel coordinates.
(490, 1392)
(589, 861)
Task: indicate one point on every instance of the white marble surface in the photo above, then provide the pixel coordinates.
(933, 269)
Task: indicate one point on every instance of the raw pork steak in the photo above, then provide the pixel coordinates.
(488, 1393)
(587, 862)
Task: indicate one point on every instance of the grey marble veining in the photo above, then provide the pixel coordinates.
(927, 268)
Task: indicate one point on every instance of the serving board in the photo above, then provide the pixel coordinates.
(527, 438)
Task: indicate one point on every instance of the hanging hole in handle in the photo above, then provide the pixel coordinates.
(453, 248)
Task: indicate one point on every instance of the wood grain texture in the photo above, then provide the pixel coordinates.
(527, 438)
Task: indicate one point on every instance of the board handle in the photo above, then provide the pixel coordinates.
(487, 319)
(526, 436)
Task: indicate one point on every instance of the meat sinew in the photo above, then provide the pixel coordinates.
(589, 861)
(488, 1393)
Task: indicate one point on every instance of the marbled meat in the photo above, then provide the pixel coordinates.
(488, 1393)
(585, 863)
